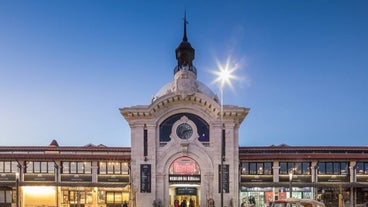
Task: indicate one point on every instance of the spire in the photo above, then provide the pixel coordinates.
(185, 38)
(185, 53)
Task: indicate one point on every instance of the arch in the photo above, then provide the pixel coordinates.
(202, 126)
(196, 153)
(183, 166)
(203, 103)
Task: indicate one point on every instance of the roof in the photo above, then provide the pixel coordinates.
(55, 152)
(201, 88)
(303, 152)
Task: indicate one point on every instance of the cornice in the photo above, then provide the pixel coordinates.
(203, 102)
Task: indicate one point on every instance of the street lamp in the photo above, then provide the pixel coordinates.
(224, 76)
(17, 189)
(290, 183)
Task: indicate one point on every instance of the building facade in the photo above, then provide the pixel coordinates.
(184, 148)
(185, 141)
(64, 176)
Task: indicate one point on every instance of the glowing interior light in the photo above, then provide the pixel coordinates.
(39, 190)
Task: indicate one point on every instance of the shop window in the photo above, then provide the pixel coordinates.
(40, 167)
(6, 197)
(119, 168)
(333, 168)
(244, 168)
(283, 168)
(362, 168)
(8, 166)
(329, 169)
(253, 168)
(113, 197)
(256, 168)
(76, 167)
(101, 197)
(298, 168)
(76, 197)
(306, 168)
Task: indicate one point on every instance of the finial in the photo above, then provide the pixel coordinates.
(185, 26)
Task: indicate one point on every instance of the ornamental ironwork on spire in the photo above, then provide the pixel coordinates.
(185, 53)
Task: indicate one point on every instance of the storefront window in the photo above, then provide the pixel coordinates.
(298, 168)
(40, 167)
(2, 197)
(333, 168)
(77, 197)
(120, 168)
(77, 168)
(8, 166)
(256, 168)
(101, 197)
(362, 168)
(113, 197)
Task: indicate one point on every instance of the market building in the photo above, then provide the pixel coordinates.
(184, 148)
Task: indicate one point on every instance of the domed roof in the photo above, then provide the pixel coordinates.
(185, 74)
(200, 88)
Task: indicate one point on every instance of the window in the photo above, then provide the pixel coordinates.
(8, 166)
(114, 197)
(121, 168)
(362, 168)
(256, 168)
(202, 127)
(333, 168)
(40, 167)
(76, 168)
(75, 197)
(298, 168)
(5, 197)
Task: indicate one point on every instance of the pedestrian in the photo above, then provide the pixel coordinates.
(191, 203)
(183, 203)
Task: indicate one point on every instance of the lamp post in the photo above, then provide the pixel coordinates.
(290, 183)
(224, 75)
(17, 189)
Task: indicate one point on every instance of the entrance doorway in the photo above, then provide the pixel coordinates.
(185, 196)
(184, 182)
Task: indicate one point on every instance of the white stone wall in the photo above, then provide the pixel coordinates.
(184, 97)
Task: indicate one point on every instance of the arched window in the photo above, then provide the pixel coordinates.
(202, 127)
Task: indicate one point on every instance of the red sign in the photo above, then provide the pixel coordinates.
(184, 166)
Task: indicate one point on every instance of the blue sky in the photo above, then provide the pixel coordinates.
(66, 67)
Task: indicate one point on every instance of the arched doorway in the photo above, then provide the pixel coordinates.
(184, 182)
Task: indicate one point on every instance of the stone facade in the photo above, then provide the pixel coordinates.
(184, 96)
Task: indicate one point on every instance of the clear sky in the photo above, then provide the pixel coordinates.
(66, 67)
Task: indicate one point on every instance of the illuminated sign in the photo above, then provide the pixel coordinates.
(185, 178)
(184, 166)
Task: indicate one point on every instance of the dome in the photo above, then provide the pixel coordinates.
(200, 88)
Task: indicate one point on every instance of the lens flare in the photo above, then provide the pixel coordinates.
(225, 73)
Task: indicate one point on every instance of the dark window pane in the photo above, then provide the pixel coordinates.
(322, 168)
(283, 168)
(329, 168)
(253, 168)
(268, 168)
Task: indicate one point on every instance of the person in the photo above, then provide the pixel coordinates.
(211, 202)
(191, 203)
(125, 204)
(252, 201)
(176, 203)
(183, 203)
